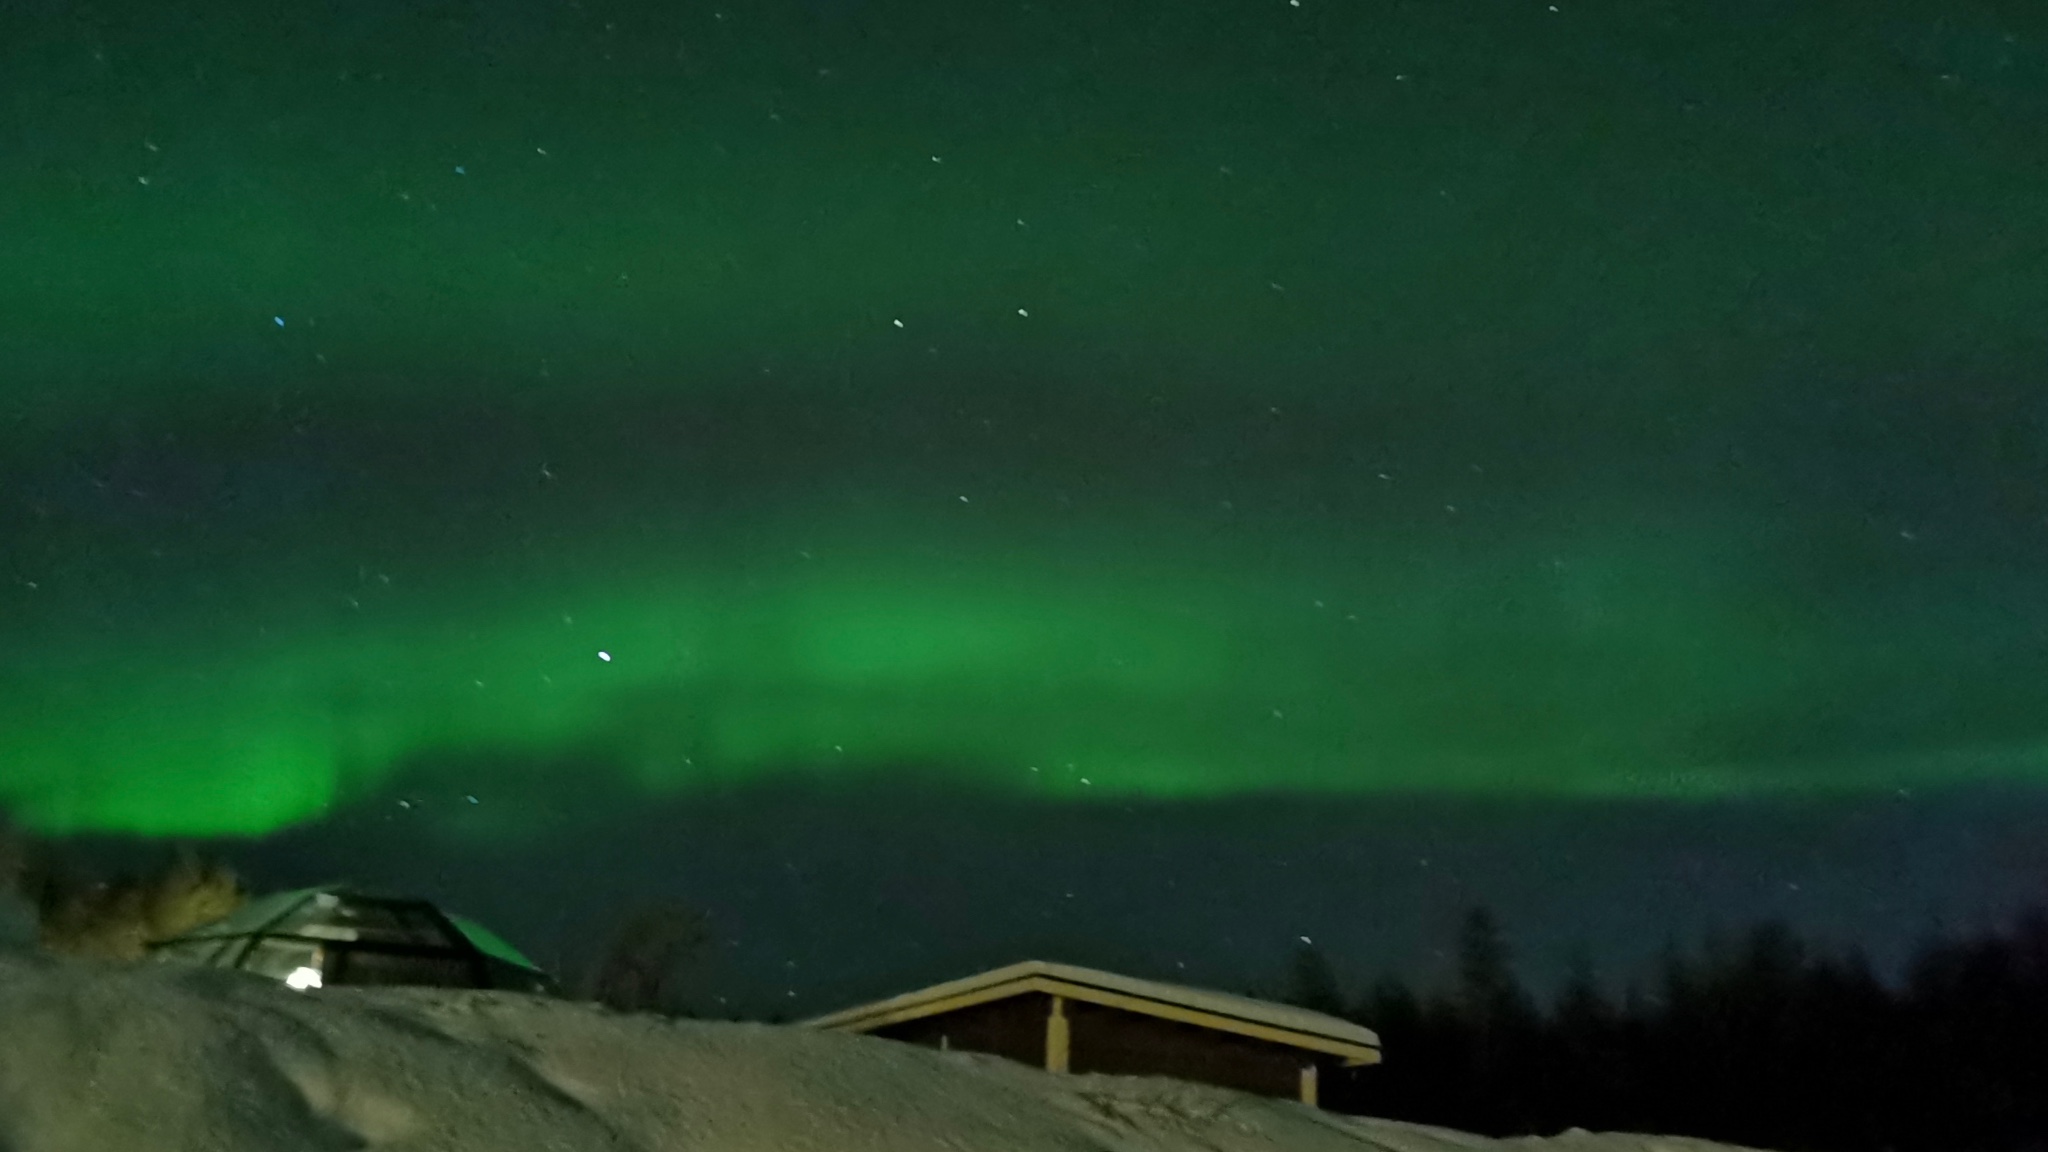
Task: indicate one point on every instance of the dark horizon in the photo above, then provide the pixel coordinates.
(900, 887)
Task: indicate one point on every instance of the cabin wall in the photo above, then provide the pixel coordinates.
(1013, 1027)
(1116, 1042)
(1119, 1043)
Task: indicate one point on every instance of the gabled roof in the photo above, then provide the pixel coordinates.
(1221, 1011)
(325, 912)
(340, 916)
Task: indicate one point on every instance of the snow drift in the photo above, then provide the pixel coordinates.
(159, 1057)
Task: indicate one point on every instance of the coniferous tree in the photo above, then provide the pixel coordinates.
(1754, 1039)
(1500, 1025)
(1584, 1030)
(1312, 982)
(1486, 981)
(1390, 1008)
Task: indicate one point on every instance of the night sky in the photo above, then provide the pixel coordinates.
(1129, 481)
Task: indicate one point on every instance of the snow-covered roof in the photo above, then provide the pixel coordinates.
(277, 934)
(1282, 1023)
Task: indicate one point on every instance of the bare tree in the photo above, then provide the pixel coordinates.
(644, 965)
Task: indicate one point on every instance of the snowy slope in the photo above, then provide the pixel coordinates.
(159, 1058)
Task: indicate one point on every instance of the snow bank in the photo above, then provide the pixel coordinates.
(94, 1059)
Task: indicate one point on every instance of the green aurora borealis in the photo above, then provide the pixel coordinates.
(1153, 399)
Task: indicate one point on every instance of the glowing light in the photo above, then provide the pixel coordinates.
(303, 978)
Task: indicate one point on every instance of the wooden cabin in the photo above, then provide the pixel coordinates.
(1069, 1019)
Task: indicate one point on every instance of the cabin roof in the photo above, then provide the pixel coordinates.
(1221, 1011)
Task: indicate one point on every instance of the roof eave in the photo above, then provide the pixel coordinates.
(867, 1018)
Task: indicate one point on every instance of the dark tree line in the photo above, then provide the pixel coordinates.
(1764, 1043)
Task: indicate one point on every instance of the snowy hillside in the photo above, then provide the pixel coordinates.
(183, 1060)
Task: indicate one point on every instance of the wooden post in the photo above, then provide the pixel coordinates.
(1056, 1036)
(1308, 1085)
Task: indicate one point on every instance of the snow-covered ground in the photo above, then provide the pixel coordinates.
(104, 1059)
